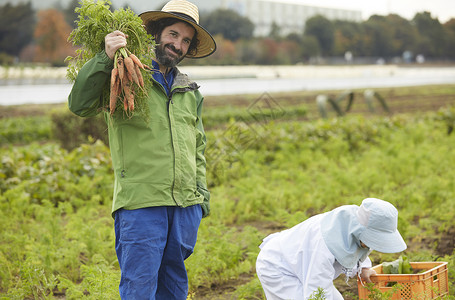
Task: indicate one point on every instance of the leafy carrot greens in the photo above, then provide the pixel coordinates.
(95, 21)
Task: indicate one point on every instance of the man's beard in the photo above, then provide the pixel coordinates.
(165, 59)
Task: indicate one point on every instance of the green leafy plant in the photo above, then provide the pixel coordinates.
(24, 130)
(57, 237)
(318, 295)
(398, 266)
(95, 21)
(377, 294)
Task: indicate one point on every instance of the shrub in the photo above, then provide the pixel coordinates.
(24, 130)
(71, 130)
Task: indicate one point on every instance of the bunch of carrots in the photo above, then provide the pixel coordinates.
(125, 75)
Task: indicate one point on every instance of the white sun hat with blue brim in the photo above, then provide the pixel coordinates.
(380, 219)
(188, 12)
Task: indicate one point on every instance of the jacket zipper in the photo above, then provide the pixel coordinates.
(169, 102)
(123, 172)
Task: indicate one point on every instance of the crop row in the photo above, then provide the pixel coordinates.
(264, 174)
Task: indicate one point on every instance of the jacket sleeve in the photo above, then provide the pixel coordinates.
(321, 273)
(86, 97)
(201, 143)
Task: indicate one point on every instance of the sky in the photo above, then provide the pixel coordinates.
(444, 10)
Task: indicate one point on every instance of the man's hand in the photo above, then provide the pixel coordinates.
(366, 273)
(113, 41)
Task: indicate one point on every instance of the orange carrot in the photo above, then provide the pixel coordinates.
(129, 65)
(136, 61)
(119, 87)
(114, 90)
(129, 96)
(124, 75)
(114, 75)
(121, 68)
(125, 103)
(139, 76)
(128, 76)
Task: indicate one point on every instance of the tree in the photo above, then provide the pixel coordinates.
(449, 28)
(51, 34)
(70, 13)
(311, 47)
(225, 54)
(297, 39)
(432, 40)
(405, 35)
(289, 53)
(323, 30)
(249, 51)
(389, 36)
(16, 27)
(228, 23)
(275, 31)
(450, 25)
(270, 49)
(378, 36)
(347, 37)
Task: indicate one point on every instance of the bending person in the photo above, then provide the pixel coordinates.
(294, 263)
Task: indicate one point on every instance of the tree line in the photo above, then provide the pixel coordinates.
(27, 35)
(388, 38)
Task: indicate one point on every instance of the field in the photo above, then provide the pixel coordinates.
(273, 161)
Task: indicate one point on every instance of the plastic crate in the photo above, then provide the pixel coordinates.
(431, 283)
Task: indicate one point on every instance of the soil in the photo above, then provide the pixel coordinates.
(398, 100)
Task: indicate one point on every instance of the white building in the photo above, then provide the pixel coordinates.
(290, 17)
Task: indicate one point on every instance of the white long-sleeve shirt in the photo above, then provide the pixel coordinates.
(299, 254)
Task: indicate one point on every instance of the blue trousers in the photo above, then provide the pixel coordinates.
(152, 245)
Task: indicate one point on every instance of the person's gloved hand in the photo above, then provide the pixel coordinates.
(206, 204)
(205, 209)
(366, 273)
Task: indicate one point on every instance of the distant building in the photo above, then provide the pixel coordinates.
(289, 17)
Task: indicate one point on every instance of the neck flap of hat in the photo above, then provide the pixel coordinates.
(340, 230)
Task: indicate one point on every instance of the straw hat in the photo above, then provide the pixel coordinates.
(380, 219)
(188, 12)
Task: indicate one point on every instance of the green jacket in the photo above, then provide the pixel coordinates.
(157, 161)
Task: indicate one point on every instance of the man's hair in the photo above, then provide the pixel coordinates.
(155, 28)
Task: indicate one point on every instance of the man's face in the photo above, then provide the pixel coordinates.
(174, 43)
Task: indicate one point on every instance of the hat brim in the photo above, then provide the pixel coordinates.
(385, 242)
(206, 44)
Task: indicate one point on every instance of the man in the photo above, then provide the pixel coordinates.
(160, 190)
(294, 263)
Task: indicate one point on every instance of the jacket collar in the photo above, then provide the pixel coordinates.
(182, 80)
